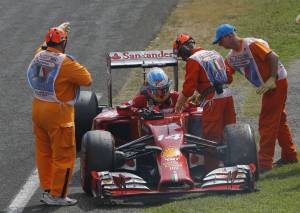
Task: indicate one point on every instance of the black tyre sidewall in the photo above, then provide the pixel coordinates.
(85, 111)
(97, 154)
(241, 146)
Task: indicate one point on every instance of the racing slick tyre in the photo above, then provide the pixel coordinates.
(241, 146)
(97, 154)
(86, 109)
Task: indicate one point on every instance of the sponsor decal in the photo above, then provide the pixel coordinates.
(174, 176)
(42, 93)
(157, 82)
(160, 137)
(116, 57)
(133, 55)
(169, 137)
(107, 181)
(173, 137)
(171, 157)
(170, 152)
(172, 165)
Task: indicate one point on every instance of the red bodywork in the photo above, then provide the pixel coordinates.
(168, 133)
(172, 143)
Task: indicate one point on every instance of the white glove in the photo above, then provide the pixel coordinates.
(268, 85)
(298, 19)
(180, 102)
(194, 99)
(65, 27)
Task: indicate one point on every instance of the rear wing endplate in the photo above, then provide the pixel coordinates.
(144, 59)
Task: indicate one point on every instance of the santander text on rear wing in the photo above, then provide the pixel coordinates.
(144, 59)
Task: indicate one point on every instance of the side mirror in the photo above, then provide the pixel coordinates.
(123, 109)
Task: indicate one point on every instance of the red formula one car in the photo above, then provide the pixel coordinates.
(133, 152)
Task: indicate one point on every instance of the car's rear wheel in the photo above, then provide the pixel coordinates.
(86, 109)
(97, 154)
(241, 146)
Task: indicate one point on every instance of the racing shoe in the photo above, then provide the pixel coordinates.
(50, 200)
(282, 162)
(44, 195)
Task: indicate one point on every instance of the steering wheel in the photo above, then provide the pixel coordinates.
(150, 114)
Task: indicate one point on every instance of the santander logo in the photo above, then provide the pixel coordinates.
(116, 57)
(132, 55)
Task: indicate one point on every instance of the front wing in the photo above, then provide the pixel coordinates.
(123, 184)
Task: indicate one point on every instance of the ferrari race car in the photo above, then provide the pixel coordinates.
(146, 152)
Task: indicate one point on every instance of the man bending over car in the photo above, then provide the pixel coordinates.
(205, 73)
(253, 58)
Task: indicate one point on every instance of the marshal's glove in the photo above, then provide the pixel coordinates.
(298, 19)
(195, 98)
(268, 85)
(180, 102)
(65, 27)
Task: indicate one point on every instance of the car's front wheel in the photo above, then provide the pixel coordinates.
(241, 146)
(97, 154)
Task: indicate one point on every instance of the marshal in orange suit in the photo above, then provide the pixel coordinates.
(55, 78)
(218, 105)
(253, 58)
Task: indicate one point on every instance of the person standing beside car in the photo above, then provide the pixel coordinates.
(205, 73)
(254, 59)
(55, 78)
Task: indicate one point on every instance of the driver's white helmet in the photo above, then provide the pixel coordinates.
(158, 84)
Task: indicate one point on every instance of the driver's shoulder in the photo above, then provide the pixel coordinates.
(139, 101)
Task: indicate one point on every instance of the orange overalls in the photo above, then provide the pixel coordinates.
(217, 112)
(53, 126)
(250, 60)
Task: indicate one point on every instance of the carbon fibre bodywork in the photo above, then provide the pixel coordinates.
(163, 154)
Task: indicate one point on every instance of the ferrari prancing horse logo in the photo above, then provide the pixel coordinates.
(170, 152)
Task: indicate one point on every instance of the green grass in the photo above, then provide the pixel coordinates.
(279, 191)
(274, 21)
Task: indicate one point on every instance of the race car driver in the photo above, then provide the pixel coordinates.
(254, 59)
(206, 73)
(156, 93)
(54, 78)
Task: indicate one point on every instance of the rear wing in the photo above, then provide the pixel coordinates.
(143, 59)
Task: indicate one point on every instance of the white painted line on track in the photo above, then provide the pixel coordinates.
(31, 185)
(25, 194)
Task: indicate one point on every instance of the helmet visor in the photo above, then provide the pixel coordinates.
(160, 92)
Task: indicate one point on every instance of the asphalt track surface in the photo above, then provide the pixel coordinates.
(98, 26)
